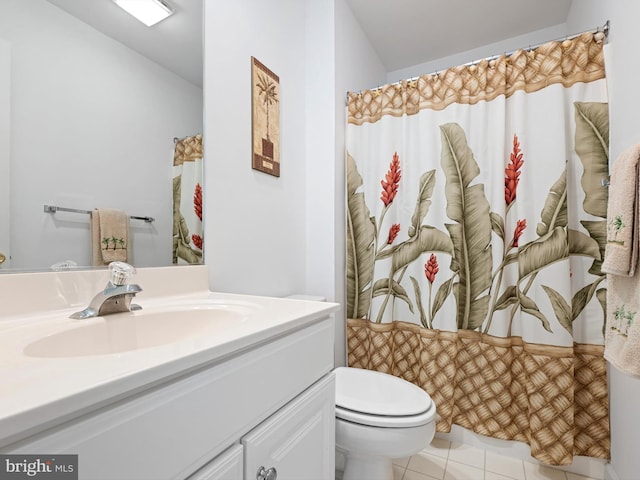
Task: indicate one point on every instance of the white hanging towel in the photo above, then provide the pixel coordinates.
(621, 255)
(622, 339)
(622, 335)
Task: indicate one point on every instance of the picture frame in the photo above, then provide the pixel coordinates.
(265, 119)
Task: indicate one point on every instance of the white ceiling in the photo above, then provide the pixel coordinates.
(411, 32)
(175, 43)
(403, 32)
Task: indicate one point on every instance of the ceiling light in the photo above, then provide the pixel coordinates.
(148, 12)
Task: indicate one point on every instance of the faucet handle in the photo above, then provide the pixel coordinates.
(120, 272)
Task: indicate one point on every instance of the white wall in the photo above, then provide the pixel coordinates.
(322, 227)
(624, 102)
(255, 224)
(484, 51)
(586, 15)
(92, 125)
(357, 66)
(268, 235)
(5, 150)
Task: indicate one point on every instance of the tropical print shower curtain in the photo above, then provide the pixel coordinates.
(476, 230)
(187, 200)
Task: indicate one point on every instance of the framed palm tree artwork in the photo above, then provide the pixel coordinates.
(265, 119)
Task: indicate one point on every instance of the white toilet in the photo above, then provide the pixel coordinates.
(379, 417)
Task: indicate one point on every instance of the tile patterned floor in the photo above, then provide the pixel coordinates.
(444, 460)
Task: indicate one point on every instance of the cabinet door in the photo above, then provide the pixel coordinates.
(226, 466)
(298, 441)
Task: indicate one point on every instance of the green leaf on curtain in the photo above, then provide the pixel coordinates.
(581, 298)
(441, 295)
(428, 239)
(468, 206)
(387, 252)
(544, 251)
(460, 168)
(427, 182)
(581, 244)
(361, 235)
(592, 146)
(554, 212)
(497, 225)
(508, 298)
(477, 310)
(561, 308)
(527, 305)
(381, 287)
(416, 290)
(598, 231)
(511, 258)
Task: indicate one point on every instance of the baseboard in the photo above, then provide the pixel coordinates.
(610, 473)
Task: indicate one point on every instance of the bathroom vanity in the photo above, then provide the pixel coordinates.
(196, 385)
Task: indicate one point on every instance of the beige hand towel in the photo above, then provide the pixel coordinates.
(109, 236)
(622, 337)
(621, 253)
(622, 334)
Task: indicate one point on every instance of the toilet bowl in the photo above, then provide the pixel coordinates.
(379, 417)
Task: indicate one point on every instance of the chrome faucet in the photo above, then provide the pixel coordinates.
(116, 296)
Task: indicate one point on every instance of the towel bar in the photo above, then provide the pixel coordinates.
(54, 209)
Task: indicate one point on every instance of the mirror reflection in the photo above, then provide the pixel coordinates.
(86, 122)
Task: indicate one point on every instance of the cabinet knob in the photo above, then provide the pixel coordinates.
(267, 473)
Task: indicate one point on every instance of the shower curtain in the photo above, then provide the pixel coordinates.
(187, 200)
(476, 230)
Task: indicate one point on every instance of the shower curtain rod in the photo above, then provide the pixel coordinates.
(604, 29)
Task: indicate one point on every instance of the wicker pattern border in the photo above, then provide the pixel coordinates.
(576, 60)
(188, 149)
(552, 398)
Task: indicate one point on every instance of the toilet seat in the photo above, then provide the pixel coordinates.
(377, 399)
(386, 421)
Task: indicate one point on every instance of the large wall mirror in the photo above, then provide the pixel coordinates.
(88, 121)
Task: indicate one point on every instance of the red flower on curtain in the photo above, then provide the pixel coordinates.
(512, 172)
(431, 268)
(520, 226)
(393, 233)
(197, 240)
(197, 201)
(391, 182)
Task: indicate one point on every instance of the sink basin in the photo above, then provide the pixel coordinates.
(146, 328)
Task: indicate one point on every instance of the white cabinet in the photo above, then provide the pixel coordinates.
(227, 466)
(277, 398)
(297, 442)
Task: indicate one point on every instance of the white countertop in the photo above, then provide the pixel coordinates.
(37, 393)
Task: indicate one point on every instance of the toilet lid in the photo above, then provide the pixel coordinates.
(375, 393)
